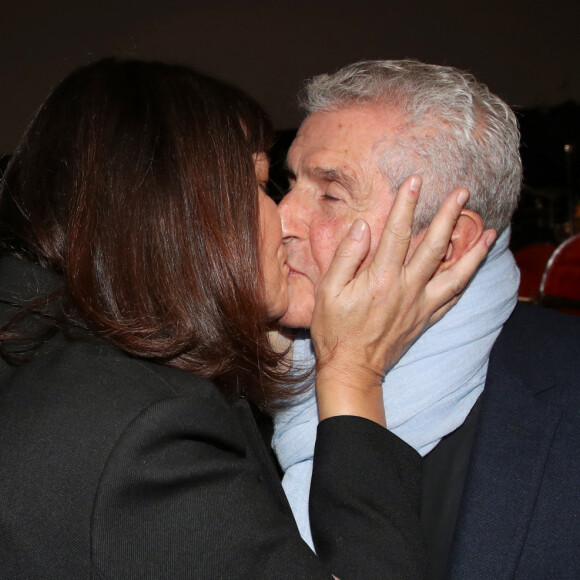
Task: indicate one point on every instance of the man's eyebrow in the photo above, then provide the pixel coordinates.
(333, 174)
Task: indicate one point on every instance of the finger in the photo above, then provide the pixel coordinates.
(349, 255)
(396, 236)
(433, 247)
(452, 282)
(442, 310)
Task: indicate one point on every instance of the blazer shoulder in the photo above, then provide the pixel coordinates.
(541, 348)
(97, 386)
(531, 328)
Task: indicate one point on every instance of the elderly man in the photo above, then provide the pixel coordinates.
(489, 396)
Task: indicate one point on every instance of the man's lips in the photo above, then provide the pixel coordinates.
(293, 271)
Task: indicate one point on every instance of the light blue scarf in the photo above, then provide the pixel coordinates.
(428, 393)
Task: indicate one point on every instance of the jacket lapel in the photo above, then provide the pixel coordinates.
(258, 438)
(510, 451)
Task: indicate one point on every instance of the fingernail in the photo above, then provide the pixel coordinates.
(356, 230)
(463, 197)
(415, 184)
(491, 239)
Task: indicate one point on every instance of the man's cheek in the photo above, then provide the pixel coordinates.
(325, 238)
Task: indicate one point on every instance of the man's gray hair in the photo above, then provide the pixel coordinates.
(455, 132)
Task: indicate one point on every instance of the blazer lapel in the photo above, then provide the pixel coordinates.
(510, 451)
(262, 452)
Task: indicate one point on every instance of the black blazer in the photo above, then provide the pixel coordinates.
(520, 511)
(115, 467)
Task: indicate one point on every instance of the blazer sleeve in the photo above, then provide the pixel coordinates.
(182, 497)
(365, 501)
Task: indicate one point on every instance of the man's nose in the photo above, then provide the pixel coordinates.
(293, 214)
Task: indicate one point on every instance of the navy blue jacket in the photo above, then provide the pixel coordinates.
(520, 511)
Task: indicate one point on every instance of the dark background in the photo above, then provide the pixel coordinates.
(527, 51)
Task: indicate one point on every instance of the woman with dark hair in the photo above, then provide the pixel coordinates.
(140, 281)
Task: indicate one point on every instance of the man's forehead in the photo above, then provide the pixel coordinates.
(342, 139)
(318, 161)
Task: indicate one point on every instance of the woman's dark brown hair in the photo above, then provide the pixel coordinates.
(136, 182)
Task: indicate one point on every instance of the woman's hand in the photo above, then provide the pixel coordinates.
(365, 320)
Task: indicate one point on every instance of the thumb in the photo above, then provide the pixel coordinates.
(349, 255)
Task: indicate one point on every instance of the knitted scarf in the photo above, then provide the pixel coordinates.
(428, 393)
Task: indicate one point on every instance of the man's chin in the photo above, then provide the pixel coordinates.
(297, 316)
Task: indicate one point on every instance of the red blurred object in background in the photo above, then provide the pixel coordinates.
(532, 261)
(560, 286)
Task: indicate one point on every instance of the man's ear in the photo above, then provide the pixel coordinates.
(466, 234)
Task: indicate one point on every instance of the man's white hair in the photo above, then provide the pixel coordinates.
(455, 132)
